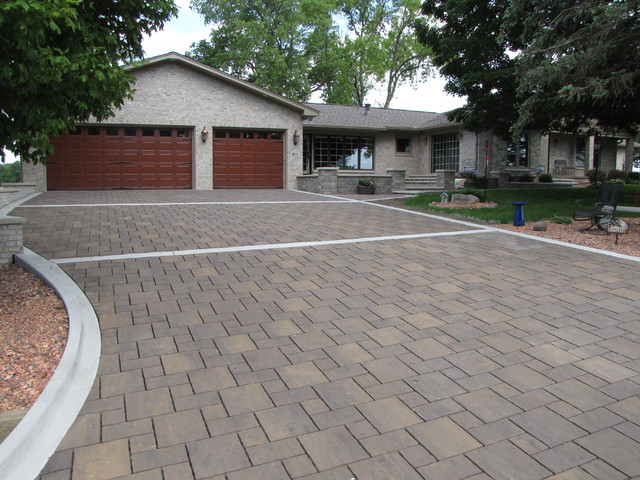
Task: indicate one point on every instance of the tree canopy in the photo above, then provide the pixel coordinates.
(554, 65)
(341, 48)
(61, 64)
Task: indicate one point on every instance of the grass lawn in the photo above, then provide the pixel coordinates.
(543, 204)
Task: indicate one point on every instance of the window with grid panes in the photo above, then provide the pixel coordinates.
(321, 151)
(346, 153)
(518, 152)
(446, 152)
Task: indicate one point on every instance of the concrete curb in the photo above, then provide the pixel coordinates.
(27, 449)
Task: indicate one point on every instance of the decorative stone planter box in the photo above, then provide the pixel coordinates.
(366, 189)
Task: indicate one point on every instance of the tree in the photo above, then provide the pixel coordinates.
(297, 47)
(554, 65)
(406, 59)
(470, 51)
(61, 64)
(10, 172)
(581, 68)
(378, 45)
(268, 42)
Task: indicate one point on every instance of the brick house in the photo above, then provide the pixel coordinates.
(190, 126)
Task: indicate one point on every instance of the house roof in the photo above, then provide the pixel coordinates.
(306, 110)
(354, 117)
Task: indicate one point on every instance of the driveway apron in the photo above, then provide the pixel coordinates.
(286, 335)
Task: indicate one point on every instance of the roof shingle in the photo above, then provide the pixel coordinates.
(348, 116)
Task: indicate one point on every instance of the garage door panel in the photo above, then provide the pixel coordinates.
(122, 157)
(248, 159)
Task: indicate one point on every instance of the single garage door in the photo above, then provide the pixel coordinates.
(247, 159)
(105, 158)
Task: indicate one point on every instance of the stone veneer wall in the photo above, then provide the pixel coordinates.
(330, 181)
(11, 238)
(12, 192)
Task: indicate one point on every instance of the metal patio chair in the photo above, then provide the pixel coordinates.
(603, 210)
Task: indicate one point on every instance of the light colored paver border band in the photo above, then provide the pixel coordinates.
(18, 203)
(272, 246)
(25, 452)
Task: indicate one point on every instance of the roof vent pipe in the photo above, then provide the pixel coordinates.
(367, 109)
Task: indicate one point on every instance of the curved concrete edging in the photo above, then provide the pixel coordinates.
(25, 452)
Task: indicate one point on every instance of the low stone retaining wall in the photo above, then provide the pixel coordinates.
(12, 192)
(331, 181)
(11, 238)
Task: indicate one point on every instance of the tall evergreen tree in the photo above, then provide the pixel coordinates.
(554, 65)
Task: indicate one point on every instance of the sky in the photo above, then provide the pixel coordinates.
(189, 27)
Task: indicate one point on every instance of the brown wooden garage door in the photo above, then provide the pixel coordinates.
(103, 158)
(247, 159)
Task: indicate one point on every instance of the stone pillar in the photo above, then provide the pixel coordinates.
(34, 174)
(328, 180)
(398, 177)
(446, 179)
(11, 238)
(503, 179)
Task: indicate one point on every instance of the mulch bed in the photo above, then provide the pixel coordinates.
(33, 334)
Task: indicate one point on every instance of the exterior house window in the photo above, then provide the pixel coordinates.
(446, 152)
(344, 152)
(518, 152)
(581, 151)
(403, 145)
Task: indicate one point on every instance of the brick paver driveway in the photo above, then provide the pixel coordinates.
(262, 341)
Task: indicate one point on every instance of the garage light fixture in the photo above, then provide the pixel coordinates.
(296, 137)
(204, 134)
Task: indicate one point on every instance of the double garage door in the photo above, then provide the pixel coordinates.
(103, 158)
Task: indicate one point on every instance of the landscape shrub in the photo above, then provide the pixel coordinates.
(617, 175)
(545, 178)
(525, 177)
(591, 174)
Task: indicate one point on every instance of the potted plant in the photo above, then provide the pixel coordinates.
(466, 177)
(366, 186)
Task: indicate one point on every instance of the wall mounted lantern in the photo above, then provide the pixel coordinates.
(296, 137)
(204, 134)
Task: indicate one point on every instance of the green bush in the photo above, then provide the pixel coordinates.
(602, 176)
(561, 220)
(545, 178)
(525, 177)
(633, 177)
(617, 175)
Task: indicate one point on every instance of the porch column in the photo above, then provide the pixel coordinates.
(628, 155)
(589, 153)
